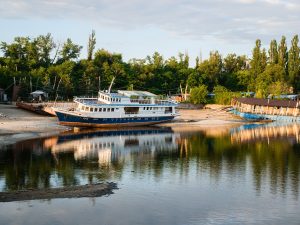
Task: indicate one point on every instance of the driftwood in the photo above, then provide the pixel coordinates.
(90, 190)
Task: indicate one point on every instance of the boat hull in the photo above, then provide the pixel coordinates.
(253, 116)
(79, 121)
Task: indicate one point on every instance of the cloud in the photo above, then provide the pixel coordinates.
(224, 20)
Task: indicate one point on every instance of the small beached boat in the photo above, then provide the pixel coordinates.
(123, 108)
(266, 109)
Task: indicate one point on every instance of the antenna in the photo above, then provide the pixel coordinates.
(99, 83)
(111, 83)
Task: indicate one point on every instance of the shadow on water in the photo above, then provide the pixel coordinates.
(271, 153)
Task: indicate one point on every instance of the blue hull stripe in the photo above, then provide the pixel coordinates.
(72, 119)
(253, 116)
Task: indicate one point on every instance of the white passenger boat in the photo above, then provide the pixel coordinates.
(123, 108)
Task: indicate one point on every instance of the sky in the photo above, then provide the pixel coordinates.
(137, 28)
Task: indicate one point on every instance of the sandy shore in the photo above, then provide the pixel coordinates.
(17, 124)
(213, 120)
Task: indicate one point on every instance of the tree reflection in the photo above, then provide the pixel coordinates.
(273, 161)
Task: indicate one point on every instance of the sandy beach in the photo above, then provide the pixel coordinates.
(213, 120)
(17, 124)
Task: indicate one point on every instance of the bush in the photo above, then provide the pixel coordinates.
(198, 94)
(223, 96)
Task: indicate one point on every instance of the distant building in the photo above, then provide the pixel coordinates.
(180, 98)
(38, 96)
(3, 96)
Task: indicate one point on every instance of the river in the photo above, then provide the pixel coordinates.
(248, 175)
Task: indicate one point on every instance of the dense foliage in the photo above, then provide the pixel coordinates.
(40, 63)
(199, 94)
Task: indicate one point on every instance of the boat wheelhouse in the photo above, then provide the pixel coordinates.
(267, 109)
(123, 108)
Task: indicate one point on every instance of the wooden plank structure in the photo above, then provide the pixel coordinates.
(266, 109)
(45, 108)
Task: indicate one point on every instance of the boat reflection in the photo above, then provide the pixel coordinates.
(268, 132)
(111, 146)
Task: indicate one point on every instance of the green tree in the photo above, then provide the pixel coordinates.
(211, 69)
(294, 64)
(282, 53)
(91, 45)
(278, 87)
(198, 94)
(273, 52)
(16, 53)
(44, 45)
(69, 51)
(258, 64)
(223, 95)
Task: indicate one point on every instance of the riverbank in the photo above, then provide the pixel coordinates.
(214, 120)
(17, 124)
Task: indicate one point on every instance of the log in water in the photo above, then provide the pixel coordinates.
(90, 190)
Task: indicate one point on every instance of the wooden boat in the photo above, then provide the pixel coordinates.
(266, 109)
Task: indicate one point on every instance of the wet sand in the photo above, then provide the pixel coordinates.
(17, 124)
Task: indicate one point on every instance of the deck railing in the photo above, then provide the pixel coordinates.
(149, 101)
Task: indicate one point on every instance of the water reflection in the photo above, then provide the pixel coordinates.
(114, 146)
(272, 131)
(271, 154)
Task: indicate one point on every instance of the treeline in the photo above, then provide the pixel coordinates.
(40, 63)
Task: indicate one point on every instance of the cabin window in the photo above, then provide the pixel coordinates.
(112, 109)
(87, 108)
(108, 110)
(82, 107)
(100, 109)
(104, 109)
(96, 109)
(147, 108)
(91, 109)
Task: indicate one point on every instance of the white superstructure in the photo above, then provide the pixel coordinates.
(120, 108)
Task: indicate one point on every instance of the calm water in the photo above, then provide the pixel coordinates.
(249, 175)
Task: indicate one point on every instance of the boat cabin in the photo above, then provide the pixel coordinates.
(127, 97)
(267, 106)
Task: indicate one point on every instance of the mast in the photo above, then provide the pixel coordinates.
(111, 83)
(99, 83)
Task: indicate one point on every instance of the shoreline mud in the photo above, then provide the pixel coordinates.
(82, 191)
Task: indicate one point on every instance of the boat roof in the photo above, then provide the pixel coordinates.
(136, 93)
(268, 102)
(38, 92)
